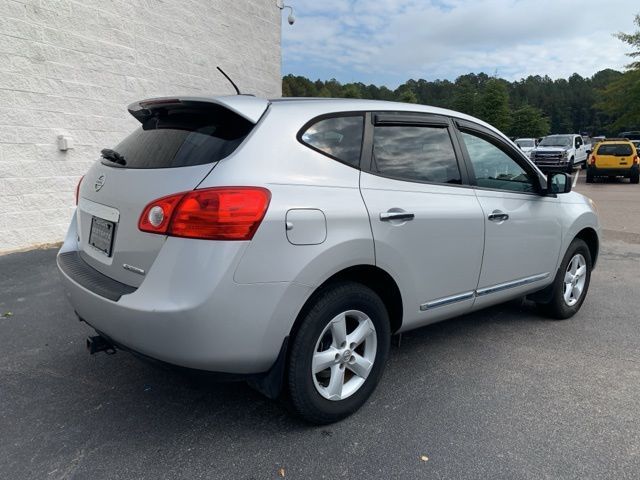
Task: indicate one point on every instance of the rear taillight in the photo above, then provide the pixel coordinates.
(78, 189)
(220, 213)
(592, 160)
(635, 160)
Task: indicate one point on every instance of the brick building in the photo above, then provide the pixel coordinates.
(70, 67)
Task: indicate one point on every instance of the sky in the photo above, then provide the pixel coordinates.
(386, 42)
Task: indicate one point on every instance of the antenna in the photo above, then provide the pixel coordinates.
(230, 81)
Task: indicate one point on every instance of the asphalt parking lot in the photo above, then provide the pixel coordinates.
(502, 393)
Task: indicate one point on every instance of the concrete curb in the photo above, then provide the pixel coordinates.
(41, 246)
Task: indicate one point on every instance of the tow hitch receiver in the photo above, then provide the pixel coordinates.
(98, 343)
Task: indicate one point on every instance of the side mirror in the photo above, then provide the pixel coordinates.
(589, 152)
(558, 182)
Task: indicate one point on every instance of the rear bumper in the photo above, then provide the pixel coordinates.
(617, 172)
(72, 265)
(189, 312)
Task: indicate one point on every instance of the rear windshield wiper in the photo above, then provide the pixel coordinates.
(113, 156)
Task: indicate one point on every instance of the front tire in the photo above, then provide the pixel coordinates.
(570, 166)
(571, 284)
(339, 352)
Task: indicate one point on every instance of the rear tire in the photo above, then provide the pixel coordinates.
(634, 178)
(571, 284)
(589, 177)
(354, 356)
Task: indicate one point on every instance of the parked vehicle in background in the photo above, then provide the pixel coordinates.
(636, 143)
(285, 241)
(560, 152)
(596, 140)
(526, 144)
(614, 157)
(632, 135)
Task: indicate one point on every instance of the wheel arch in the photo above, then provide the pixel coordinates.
(271, 382)
(590, 237)
(374, 277)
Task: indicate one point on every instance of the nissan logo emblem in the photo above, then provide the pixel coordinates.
(99, 182)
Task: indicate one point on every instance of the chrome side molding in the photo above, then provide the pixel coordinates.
(516, 283)
(441, 302)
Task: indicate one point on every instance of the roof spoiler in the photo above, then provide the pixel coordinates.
(249, 107)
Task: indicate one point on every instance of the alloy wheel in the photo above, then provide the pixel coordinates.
(344, 355)
(574, 279)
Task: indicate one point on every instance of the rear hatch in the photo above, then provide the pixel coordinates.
(177, 145)
(614, 155)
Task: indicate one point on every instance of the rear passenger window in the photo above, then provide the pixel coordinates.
(415, 153)
(338, 137)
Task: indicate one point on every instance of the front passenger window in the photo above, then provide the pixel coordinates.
(495, 169)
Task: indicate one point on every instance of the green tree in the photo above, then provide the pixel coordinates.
(620, 99)
(528, 121)
(493, 104)
(632, 39)
(621, 102)
(464, 96)
(603, 104)
(297, 86)
(407, 96)
(323, 92)
(351, 90)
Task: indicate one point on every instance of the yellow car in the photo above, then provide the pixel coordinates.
(614, 157)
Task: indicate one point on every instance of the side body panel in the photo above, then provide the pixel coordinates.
(525, 248)
(435, 256)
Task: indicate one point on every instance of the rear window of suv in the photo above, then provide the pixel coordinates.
(615, 149)
(183, 137)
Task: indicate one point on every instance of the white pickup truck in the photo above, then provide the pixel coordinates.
(561, 152)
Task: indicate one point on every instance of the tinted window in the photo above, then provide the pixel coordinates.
(493, 168)
(556, 141)
(423, 154)
(339, 137)
(617, 149)
(630, 135)
(184, 137)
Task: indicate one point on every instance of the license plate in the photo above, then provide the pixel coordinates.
(101, 235)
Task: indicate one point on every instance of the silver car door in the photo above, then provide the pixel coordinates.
(523, 230)
(427, 225)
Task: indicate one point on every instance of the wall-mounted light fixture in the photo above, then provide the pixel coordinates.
(291, 18)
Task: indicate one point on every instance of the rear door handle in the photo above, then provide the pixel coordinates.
(498, 216)
(402, 216)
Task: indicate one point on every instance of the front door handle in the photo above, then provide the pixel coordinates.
(401, 216)
(498, 216)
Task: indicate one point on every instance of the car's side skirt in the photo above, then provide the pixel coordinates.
(440, 302)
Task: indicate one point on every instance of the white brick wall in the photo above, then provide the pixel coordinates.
(72, 66)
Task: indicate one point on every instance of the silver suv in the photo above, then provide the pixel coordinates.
(285, 241)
